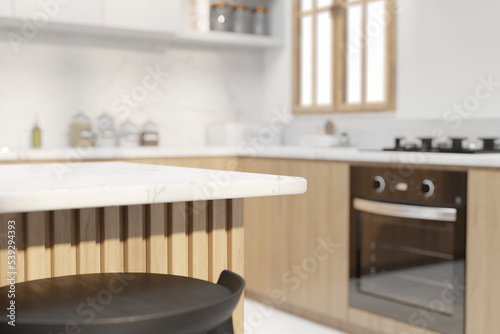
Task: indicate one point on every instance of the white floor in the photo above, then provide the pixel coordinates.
(260, 319)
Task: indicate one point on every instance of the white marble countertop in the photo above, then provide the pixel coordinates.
(286, 152)
(43, 187)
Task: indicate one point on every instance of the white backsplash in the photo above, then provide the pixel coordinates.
(56, 76)
(373, 131)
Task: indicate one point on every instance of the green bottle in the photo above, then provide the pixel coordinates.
(36, 135)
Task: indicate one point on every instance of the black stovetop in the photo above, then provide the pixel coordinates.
(456, 146)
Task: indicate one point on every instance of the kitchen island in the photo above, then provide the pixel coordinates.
(124, 217)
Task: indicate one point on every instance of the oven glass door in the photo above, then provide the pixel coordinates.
(412, 256)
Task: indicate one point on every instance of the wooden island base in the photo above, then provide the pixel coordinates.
(195, 239)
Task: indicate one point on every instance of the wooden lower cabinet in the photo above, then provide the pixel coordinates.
(483, 252)
(297, 246)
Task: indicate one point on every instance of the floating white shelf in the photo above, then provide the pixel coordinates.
(229, 39)
(216, 38)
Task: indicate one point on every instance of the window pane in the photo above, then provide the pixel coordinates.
(306, 5)
(353, 54)
(324, 59)
(375, 52)
(306, 61)
(324, 3)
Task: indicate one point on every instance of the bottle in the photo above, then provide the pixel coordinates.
(36, 135)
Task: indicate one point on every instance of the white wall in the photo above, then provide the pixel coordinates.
(55, 76)
(443, 48)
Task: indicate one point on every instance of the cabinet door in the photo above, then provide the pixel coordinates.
(297, 247)
(483, 266)
(149, 15)
(6, 8)
(86, 12)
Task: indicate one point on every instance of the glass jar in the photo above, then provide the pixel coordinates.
(128, 135)
(220, 17)
(150, 135)
(259, 22)
(81, 131)
(107, 134)
(241, 19)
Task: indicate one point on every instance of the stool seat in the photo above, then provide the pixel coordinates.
(122, 303)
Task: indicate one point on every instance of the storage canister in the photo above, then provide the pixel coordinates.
(241, 19)
(220, 17)
(259, 26)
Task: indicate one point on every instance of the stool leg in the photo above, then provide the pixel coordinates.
(225, 328)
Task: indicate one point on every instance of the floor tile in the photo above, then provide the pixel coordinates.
(260, 319)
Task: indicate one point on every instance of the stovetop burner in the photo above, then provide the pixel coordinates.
(455, 145)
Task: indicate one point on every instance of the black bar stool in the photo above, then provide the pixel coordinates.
(123, 303)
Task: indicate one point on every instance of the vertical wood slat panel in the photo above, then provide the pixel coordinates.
(217, 241)
(88, 251)
(4, 219)
(157, 257)
(135, 239)
(236, 251)
(178, 254)
(21, 246)
(112, 257)
(198, 240)
(38, 256)
(63, 243)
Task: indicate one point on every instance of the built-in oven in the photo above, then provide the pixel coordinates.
(407, 245)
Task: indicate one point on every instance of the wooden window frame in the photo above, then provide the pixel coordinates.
(339, 74)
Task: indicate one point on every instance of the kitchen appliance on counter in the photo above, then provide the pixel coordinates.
(453, 145)
(407, 245)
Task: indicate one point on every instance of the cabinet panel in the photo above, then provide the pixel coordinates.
(149, 15)
(6, 8)
(297, 246)
(87, 12)
(483, 266)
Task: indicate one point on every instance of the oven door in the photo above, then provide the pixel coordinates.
(409, 263)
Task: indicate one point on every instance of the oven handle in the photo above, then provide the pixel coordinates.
(406, 211)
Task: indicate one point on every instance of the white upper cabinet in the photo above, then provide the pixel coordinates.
(148, 15)
(86, 12)
(5, 8)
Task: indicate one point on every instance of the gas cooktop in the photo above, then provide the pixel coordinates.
(454, 145)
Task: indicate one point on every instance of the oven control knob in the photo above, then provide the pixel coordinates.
(378, 184)
(427, 188)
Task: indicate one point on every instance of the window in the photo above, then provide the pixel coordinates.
(344, 55)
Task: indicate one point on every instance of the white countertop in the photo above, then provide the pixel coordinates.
(43, 187)
(490, 160)
(286, 152)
